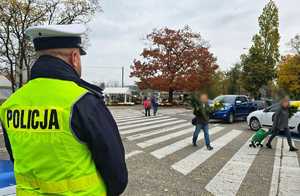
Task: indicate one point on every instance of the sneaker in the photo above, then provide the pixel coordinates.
(269, 146)
(293, 149)
(195, 144)
(209, 147)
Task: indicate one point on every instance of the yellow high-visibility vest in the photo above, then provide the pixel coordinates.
(48, 158)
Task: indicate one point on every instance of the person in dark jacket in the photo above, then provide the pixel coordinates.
(154, 105)
(91, 121)
(201, 112)
(281, 123)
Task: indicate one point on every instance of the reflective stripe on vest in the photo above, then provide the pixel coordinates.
(48, 158)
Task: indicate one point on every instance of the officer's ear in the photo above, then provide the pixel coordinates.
(75, 60)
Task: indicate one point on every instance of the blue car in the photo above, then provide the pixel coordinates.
(235, 107)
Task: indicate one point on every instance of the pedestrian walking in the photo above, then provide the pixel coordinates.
(201, 112)
(147, 106)
(281, 123)
(58, 132)
(154, 105)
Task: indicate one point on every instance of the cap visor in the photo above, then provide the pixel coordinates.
(82, 52)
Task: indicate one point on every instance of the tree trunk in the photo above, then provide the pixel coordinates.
(170, 99)
(12, 78)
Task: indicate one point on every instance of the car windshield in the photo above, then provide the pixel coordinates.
(225, 99)
(273, 107)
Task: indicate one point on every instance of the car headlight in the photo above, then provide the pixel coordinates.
(226, 107)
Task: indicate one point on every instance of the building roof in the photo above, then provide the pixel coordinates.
(117, 90)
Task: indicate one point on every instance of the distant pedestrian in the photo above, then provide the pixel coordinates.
(201, 112)
(154, 105)
(147, 106)
(281, 123)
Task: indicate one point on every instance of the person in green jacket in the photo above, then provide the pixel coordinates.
(201, 112)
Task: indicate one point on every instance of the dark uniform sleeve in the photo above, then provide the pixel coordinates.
(94, 125)
(7, 144)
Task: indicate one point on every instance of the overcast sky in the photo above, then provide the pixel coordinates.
(116, 34)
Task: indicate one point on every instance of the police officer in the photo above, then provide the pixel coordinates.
(62, 138)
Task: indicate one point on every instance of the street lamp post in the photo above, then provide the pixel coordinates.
(122, 76)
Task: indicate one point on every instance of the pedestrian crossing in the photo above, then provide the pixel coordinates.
(141, 120)
(149, 127)
(189, 163)
(163, 130)
(133, 153)
(230, 177)
(148, 122)
(286, 171)
(139, 117)
(170, 111)
(169, 149)
(8, 191)
(168, 139)
(165, 138)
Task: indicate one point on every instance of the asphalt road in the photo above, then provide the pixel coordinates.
(162, 161)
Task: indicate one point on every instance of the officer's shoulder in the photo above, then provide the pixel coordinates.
(91, 96)
(92, 89)
(90, 100)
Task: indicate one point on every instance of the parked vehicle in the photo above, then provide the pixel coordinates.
(260, 104)
(235, 107)
(265, 117)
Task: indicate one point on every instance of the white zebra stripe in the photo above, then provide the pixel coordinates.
(128, 117)
(289, 173)
(141, 120)
(195, 159)
(163, 130)
(165, 138)
(146, 123)
(2, 149)
(169, 149)
(230, 177)
(137, 118)
(276, 169)
(8, 191)
(133, 153)
(139, 129)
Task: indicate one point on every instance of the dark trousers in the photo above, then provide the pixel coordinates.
(154, 111)
(147, 111)
(198, 128)
(287, 134)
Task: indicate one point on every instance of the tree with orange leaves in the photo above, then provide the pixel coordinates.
(288, 75)
(175, 60)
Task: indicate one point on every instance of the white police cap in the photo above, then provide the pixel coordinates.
(57, 36)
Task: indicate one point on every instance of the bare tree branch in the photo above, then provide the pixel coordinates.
(16, 52)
